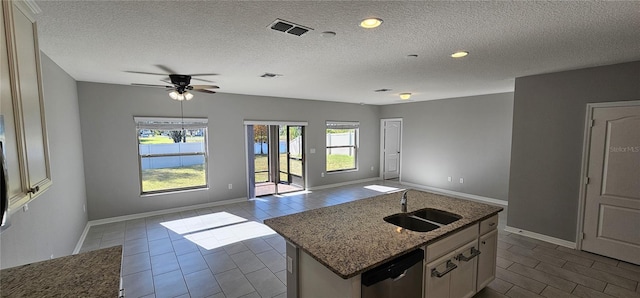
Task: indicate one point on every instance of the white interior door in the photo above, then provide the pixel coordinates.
(392, 130)
(612, 204)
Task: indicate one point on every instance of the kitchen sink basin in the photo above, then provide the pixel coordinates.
(438, 216)
(423, 220)
(410, 222)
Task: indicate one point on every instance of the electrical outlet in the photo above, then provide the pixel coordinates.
(312, 150)
(51, 258)
(449, 179)
(461, 180)
(289, 264)
(230, 186)
(372, 168)
(25, 208)
(322, 174)
(84, 207)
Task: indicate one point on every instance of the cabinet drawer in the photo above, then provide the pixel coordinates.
(488, 224)
(451, 243)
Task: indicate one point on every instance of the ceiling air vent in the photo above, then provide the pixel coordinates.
(289, 27)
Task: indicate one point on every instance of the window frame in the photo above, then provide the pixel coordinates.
(172, 123)
(355, 125)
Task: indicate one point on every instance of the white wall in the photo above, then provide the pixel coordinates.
(55, 220)
(466, 137)
(110, 145)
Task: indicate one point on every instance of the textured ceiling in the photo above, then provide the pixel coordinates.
(98, 41)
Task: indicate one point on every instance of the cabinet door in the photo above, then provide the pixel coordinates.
(488, 244)
(438, 286)
(28, 106)
(463, 279)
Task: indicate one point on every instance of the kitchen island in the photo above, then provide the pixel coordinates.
(91, 274)
(344, 241)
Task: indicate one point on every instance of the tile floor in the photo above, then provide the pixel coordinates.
(226, 251)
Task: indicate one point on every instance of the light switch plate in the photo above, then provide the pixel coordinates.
(312, 150)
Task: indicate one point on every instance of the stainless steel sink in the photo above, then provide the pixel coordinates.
(409, 222)
(423, 220)
(436, 215)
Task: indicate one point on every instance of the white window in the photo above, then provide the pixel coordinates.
(342, 146)
(172, 153)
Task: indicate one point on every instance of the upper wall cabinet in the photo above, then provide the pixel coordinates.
(26, 149)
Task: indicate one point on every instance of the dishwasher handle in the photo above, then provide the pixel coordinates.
(450, 267)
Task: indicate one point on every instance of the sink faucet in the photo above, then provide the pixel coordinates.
(403, 201)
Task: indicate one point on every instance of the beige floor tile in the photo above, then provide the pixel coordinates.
(519, 280)
(584, 280)
(508, 255)
(602, 275)
(551, 292)
(630, 274)
(500, 286)
(589, 255)
(617, 291)
(488, 293)
(518, 292)
(552, 280)
(629, 266)
(537, 256)
(585, 292)
(564, 255)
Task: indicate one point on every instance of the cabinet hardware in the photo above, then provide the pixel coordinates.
(484, 242)
(34, 190)
(401, 276)
(474, 253)
(492, 224)
(450, 267)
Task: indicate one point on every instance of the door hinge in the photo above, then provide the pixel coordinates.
(581, 236)
(587, 180)
(593, 122)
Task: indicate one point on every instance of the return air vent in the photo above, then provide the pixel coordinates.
(289, 27)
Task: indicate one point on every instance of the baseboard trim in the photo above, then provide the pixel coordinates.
(147, 214)
(343, 183)
(76, 250)
(458, 194)
(541, 237)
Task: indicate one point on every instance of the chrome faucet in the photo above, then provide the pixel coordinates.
(403, 201)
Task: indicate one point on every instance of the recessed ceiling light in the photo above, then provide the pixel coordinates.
(405, 96)
(328, 34)
(459, 54)
(370, 23)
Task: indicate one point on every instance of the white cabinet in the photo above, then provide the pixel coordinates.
(22, 106)
(488, 246)
(453, 275)
(451, 265)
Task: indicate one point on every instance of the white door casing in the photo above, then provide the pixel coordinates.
(391, 148)
(612, 197)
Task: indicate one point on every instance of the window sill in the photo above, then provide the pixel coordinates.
(342, 171)
(154, 194)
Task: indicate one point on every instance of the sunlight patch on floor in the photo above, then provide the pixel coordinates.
(382, 188)
(202, 222)
(226, 235)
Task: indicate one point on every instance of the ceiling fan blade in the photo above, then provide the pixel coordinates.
(203, 74)
(202, 80)
(154, 86)
(204, 87)
(166, 68)
(204, 91)
(144, 72)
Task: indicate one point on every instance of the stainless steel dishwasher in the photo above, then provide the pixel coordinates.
(400, 277)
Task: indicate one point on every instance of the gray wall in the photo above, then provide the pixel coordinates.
(468, 137)
(55, 220)
(548, 130)
(110, 145)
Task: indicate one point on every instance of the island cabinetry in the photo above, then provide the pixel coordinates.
(451, 265)
(22, 106)
(488, 245)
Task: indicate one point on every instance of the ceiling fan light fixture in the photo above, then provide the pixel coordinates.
(459, 54)
(405, 96)
(187, 95)
(370, 23)
(174, 95)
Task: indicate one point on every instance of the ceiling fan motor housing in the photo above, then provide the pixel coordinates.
(180, 80)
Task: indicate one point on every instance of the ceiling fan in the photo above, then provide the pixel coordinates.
(181, 83)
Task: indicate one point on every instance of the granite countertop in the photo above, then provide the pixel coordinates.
(351, 238)
(91, 274)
